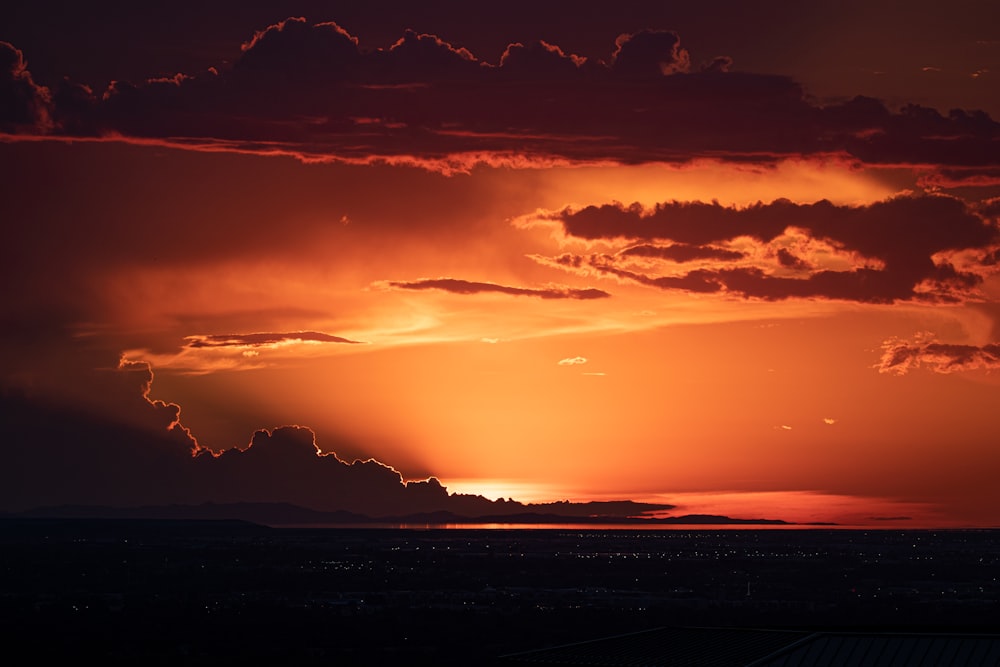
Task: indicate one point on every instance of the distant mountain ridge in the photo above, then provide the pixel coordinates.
(287, 514)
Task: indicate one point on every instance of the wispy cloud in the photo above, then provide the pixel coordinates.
(457, 286)
(902, 356)
(264, 339)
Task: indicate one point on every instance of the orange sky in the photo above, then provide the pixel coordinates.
(541, 308)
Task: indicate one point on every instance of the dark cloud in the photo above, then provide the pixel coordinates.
(24, 105)
(422, 58)
(541, 60)
(900, 356)
(692, 223)
(294, 48)
(129, 450)
(296, 51)
(57, 450)
(133, 450)
(899, 248)
(960, 178)
(469, 287)
(863, 285)
(649, 54)
(285, 465)
(57, 454)
(894, 228)
(700, 281)
(313, 91)
(258, 339)
(682, 252)
(790, 261)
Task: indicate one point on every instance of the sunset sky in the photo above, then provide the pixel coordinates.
(739, 257)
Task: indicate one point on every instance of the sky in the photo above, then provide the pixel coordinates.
(737, 259)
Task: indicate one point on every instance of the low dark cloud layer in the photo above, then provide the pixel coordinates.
(314, 91)
(129, 449)
(457, 286)
(931, 248)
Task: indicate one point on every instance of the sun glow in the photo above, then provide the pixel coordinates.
(522, 491)
(729, 184)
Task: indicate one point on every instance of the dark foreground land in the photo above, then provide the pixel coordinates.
(170, 592)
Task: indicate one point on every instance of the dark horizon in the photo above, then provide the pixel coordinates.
(193, 592)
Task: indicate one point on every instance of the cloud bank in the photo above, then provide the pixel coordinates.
(909, 248)
(140, 453)
(315, 92)
(130, 450)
